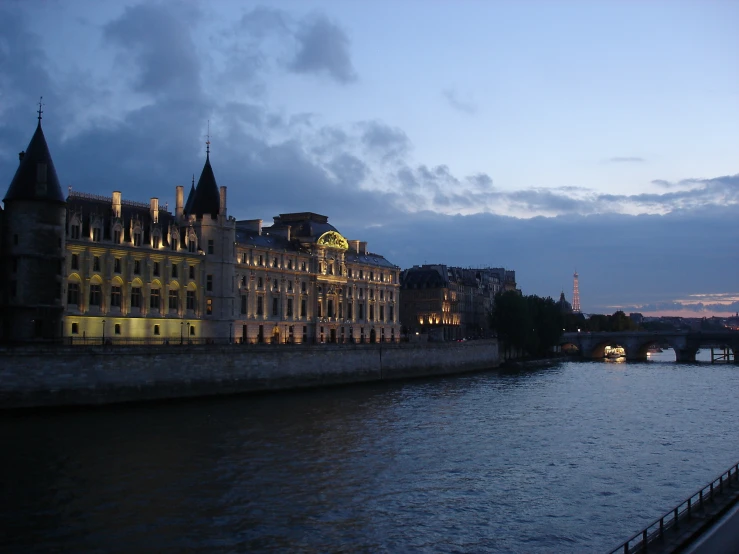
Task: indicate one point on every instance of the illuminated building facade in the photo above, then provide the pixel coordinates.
(450, 303)
(110, 268)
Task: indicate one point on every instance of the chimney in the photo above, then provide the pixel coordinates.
(116, 203)
(20, 155)
(363, 247)
(154, 209)
(222, 209)
(354, 245)
(180, 203)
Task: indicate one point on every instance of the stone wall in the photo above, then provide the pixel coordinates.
(102, 375)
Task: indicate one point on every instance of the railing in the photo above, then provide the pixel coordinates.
(681, 514)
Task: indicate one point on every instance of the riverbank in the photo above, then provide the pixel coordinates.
(73, 376)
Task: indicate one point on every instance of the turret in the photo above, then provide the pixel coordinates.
(32, 272)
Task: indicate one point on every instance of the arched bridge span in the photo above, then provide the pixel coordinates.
(637, 343)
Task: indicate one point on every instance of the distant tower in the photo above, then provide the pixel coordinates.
(575, 295)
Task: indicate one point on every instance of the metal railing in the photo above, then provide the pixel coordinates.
(680, 515)
(194, 341)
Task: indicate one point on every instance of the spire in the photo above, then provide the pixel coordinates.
(35, 178)
(206, 198)
(207, 143)
(40, 111)
(188, 204)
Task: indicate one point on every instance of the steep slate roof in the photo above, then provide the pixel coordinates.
(85, 205)
(305, 225)
(188, 204)
(422, 278)
(23, 186)
(206, 199)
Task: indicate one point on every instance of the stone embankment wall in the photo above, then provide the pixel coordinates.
(102, 375)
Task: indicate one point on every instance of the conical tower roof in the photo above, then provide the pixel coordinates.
(188, 204)
(206, 199)
(35, 178)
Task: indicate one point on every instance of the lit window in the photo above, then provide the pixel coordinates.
(209, 306)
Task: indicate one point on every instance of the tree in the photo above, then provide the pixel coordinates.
(526, 323)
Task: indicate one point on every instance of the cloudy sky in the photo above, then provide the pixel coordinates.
(542, 136)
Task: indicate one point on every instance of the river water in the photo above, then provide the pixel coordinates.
(571, 458)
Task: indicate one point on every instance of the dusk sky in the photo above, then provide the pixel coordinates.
(544, 137)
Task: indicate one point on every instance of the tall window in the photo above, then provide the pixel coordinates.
(391, 314)
(302, 287)
(173, 243)
(191, 300)
(349, 311)
(211, 247)
(330, 308)
(96, 295)
(96, 263)
(192, 272)
(75, 261)
(191, 245)
(136, 297)
(259, 282)
(289, 307)
(274, 262)
(117, 236)
(209, 282)
(115, 296)
(361, 311)
(243, 303)
(117, 265)
(75, 231)
(73, 294)
(96, 234)
(155, 269)
(302, 308)
(137, 267)
(174, 271)
(174, 300)
(372, 313)
(154, 299)
(260, 305)
(382, 313)
(275, 306)
(137, 238)
(209, 306)
(155, 241)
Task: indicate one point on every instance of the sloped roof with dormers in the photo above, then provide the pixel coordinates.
(26, 184)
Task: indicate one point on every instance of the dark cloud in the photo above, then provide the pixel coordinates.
(388, 142)
(323, 47)
(263, 21)
(157, 38)
(481, 181)
(465, 106)
(626, 159)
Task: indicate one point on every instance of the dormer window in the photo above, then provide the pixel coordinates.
(96, 234)
(191, 246)
(173, 243)
(156, 239)
(137, 238)
(74, 231)
(116, 236)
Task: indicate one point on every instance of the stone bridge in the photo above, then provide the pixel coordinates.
(637, 343)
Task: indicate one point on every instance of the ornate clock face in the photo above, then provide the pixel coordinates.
(334, 240)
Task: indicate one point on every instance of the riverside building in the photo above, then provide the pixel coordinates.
(91, 266)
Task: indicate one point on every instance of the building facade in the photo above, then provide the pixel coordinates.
(96, 267)
(451, 303)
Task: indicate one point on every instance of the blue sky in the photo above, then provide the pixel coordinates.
(541, 136)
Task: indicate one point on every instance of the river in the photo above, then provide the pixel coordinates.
(570, 458)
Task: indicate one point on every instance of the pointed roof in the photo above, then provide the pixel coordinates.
(206, 199)
(31, 182)
(188, 204)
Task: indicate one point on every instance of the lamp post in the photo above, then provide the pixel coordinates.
(230, 331)
(103, 332)
(181, 324)
(187, 323)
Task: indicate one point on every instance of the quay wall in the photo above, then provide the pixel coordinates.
(84, 375)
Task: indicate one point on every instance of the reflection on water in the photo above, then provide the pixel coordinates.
(571, 458)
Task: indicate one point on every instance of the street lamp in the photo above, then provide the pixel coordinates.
(187, 323)
(103, 332)
(181, 324)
